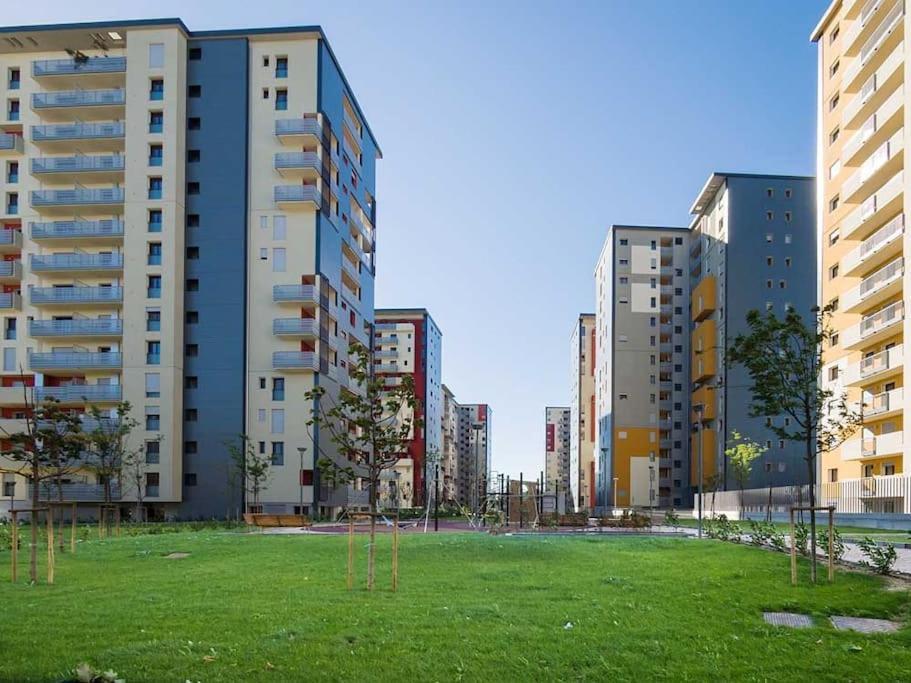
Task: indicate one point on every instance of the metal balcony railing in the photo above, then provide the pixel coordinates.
(10, 300)
(81, 493)
(303, 126)
(10, 269)
(78, 98)
(298, 160)
(75, 359)
(385, 367)
(78, 327)
(10, 237)
(307, 360)
(10, 142)
(294, 293)
(76, 229)
(885, 235)
(93, 65)
(58, 262)
(80, 393)
(78, 164)
(78, 196)
(297, 193)
(75, 295)
(78, 131)
(295, 326)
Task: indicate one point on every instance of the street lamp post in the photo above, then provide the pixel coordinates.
(616, 480)
(300, 478)
(697, 409)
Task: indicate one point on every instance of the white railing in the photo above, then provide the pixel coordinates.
(878, 37)
(870, 285)
(875, 322)
(869, 495)
(891, 189)
(873, 123)
(872, 85)
(874, 243)
(877, 404)
(873, 163)
(866, 12)
(872, 445)
(888, 359)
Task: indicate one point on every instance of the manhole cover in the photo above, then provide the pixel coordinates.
(865, 625)
(788, 619)
(176, 556)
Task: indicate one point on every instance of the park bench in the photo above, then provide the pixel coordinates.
(262, 519)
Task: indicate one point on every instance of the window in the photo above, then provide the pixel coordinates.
(152, 482)
(12, 203)
(833, 272)
(153, 321)
(191, 382)
(9, 360)
(194, 91)
(192, 220)
(266, 60)
(833, 69)
(833, 373)
(153, 418)
(281, 99)
(192, 253)
(769, 260)
(769, 237)
(262, 382)
(156, 89)
(192, 317)
(278, 388)
(156, 154)
(154, 287)
(14, 79)
(193, 188)
(787, 193)
(153, 385)
(834, 169)
(833, 304)
(769, 215)
(787, 219)
(769, 192)
(278, 260)
(787, 262)
(264, 254)
(261, 415)
(194, 53)
(153, 451)
(193, 156)
(280, 228)
(833, 102)
(281, 67)
(189, 478)
(782, 284)
(833, 340)
(154, 187)
(156, 55)
(265, 93)
(194, 123)
(278, 421)
(154, 255)
(833, 35)
(833, 136)
(192, 284)
(12, 172)
(833, 237)
(768, 284)
(153, 352)
(278, 452)
(192, 350)
(13, 110)
(155, 220)
(191, 415)
(156, 121)
(787, 238)
(9, 329)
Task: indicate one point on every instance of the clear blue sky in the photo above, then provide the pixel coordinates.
(514, 133)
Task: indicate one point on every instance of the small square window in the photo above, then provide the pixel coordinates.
(194, 53)
(192, 220)
(194, 123)
(192, 253)
(193, 155)
(192, 284)
(194, 91)
(191, 317)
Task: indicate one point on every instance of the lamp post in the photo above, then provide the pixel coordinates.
(300, 477)
(697, 409)
(616, 480)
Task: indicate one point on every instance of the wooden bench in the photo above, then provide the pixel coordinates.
(262, 519)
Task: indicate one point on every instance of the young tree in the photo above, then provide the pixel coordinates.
(108, 444)
(253, 468)
(741, 456)
(370, 428)
(783, 359)
(49, 445)
(133, 475)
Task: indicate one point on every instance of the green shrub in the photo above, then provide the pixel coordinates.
(879, 558)
(777, 541)
(838, 545)
(671, 518)
(801, 537)
(761, 532)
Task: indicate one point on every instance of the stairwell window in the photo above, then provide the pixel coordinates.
(155, 185)
(156, 121)
(156, 89)
(155, 220)
(156, 155)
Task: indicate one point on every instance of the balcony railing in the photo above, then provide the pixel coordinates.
(887, 401)
(75, 295)
(306, 293)
(10, 301)
(875, 242)
(290, 360)
(888, 150)
(302, 160)
(874, 283)
(298, 193)
(875, 203)
(93, 65)
(78, 327)
(884, 317)
(80, 393)
(889, 359)
(873, 123)
(10, 142)
(295, 326)
(386, 367)
(10, 269)
(10, 238)
(78, 131)
(76, 229)
(78, 493)
(78, 98)
(879, 35)
(60, 262)
(303, 126)
(78, 196)
(78, 164)
(55, 360)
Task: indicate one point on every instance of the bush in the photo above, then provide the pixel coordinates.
(838, 545)
(777, 541)
(672, 518)
(723, 529)
(801, 537)
(574, 519)
(879, 558)
(761, 532)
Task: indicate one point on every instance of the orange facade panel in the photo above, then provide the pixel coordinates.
(704, 398)
(704, 298)
(704, 343)
(629, 442)
(707, 449)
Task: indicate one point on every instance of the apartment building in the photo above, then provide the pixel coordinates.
(188, 225)
(752, 244)
(475, 453)
(449, 455)
(641, 369)
(582, 412)
(408, 342)
(557, 421)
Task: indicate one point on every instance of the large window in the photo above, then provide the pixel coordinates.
(278, 452)
(156, 55)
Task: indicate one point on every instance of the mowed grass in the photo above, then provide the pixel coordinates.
(253, 607)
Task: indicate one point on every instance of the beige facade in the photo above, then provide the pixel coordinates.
(582, 412)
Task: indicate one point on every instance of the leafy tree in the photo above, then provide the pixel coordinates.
(370, 428)
(108, 444)
(783, 358)
(253, 468)
(49, 446)
(741, 456)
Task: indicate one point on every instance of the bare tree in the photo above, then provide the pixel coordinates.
(108, 444)
(252, 467)
(133, 475)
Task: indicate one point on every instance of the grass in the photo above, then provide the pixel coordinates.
(846, 531)
(470, 607)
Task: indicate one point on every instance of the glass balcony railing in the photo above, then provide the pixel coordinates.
(78, 98)
(303, 126)
(78, 131)
(78, 164)
(297, 193)
(76, 229)
(76, 261)
(74, 359)
(10, 301)
(80, 393)
(77, 327)
(9, 142)
(75, 295)
(10, 237)
(289, 360)
(306, 293)
(92, 65)
(295, 326)
(10, 269)
(299, 160)
(78, 196)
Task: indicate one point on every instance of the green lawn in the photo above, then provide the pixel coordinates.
(470, 607)
(847, 531)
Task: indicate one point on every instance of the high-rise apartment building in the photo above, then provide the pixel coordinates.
(582, 358)
(188, 225)
(556, 451)
(449, 455)
(752, 248)
(862, 114)
(641, 344)
(475, 453)
(408, 341)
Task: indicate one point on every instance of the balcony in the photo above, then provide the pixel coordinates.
(106, 199)
(861, 28)
(885, 201)
(78, 493)
(881, 405)
(386, 367)
(871, 46)
(80, 394)
(85, 105)
(10, 301)
(75, 361)
(884, 79)
(298, 132)
(295, 327)
(878, 248)
(77, 327)
(351, 270)
(874, 327)
(10, 241)
(868, 133)
(75, 169)
(90, 136)
(299, 165)
(88, 231)
(295, 360)
(10, 144)
(882, 163)
(875, 288)
(95, 71)
(294, 294)
(10, 272)
(76, 262)
(875, 367)
(297, 196)
(873, 446)
(385, 353)
(75, 296)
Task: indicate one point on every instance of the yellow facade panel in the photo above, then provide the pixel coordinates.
(704, 298)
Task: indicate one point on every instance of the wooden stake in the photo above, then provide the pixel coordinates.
(117, 520)
(50, 545)
(73, 531)
(350, 553)
(62, 537)
(100, 521)
(395, 554)
(793, 552)
(15, 541)
(831, 545)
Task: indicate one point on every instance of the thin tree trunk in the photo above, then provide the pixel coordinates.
(371, 550)
(810, 469)
(36, 498)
